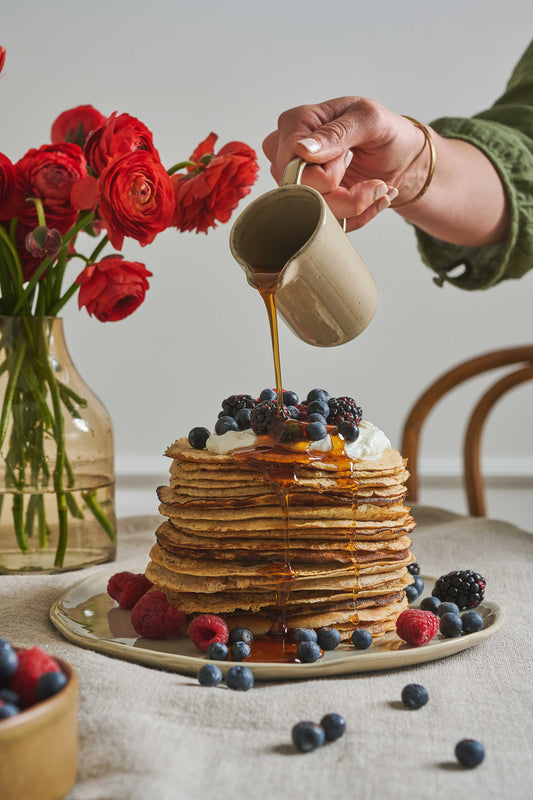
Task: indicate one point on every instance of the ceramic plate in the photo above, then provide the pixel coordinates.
(87, 616)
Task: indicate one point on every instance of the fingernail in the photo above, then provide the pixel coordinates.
(383, 204)
(313, 145)
(347, 158)
(380, 191)
(393, 193)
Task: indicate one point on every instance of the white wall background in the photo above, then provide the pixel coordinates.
(186, 68)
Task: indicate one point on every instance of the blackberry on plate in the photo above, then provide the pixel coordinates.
(343, 409)
(235, 402)
(263, 416)
(465, 588)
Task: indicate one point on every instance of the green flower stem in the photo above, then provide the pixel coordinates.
(181, 165)
(98, 249)
(38, 203)
(15, 273)
(18, 521)
(10, 392)
(43, 528)
(33, 504)
(56, 308)
(91, 501)
(73, 507)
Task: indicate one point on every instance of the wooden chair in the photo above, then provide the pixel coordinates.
(474, 483)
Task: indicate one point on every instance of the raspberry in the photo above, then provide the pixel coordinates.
(153, 617)
(206, 629)
(343, 409)
(127, 588)
(417, 627)
(465, 588)
(32, 664)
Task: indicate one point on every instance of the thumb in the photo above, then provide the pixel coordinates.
(352, 127)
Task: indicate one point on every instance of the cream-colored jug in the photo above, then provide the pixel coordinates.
(324, 291)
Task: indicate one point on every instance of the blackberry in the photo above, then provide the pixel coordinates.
(235, 402)
(465, 588)
(343, 409)
(263, 416)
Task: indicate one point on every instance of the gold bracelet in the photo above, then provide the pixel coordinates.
(432, 160)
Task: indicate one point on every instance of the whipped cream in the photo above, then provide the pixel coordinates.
(370, 444)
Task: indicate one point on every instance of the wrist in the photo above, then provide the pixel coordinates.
(418, 175)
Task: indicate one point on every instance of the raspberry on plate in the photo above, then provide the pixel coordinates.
(153, 617)
(31, 665)
(127, 588)
(206, 629)
(417, 627)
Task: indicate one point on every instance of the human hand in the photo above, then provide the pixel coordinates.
(361, 155)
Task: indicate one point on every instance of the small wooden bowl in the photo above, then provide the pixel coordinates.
(39, 746)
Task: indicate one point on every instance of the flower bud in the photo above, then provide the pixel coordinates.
(43, 242)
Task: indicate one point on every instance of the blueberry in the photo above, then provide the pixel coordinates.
(308, 652)
(198, 437)
(239, 678)
(304, 635)
(349, 431)
(209, 675)
(8, 660)
(316, 417)
(469, 753)
(447, 608)
(267, 395)
(225, 424)
(242, 418)
(50, 683)
(293, 412)
(451, 625)
(9, 696)
(318, 394)
(361, 639)
(414, 568)
(430, 604)
(414, 695)
(217, 651)
(240, 651)
(290, 398)
(334, 726)
(318, 407)
(472, 621)
(308, 736)
(328, 638)
(316, 431)
(419, 584)
(8, 710)
(411, 593)
(240, 635)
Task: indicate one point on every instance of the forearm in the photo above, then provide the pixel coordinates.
(466, 202)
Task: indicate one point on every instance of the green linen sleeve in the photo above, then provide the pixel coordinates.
(505, 134)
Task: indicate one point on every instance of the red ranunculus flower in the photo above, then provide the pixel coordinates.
(76, 124)
(2, 57)
(134, 197)
(113, 288)
(120, 134)
(8, 178)
(214, 185)
(49, 173)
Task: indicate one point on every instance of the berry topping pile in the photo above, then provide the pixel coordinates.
(310, 419)
(26, 677)
(465, 588)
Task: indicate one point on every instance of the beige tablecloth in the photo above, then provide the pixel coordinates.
(150, 735)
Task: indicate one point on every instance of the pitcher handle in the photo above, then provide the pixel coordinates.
(293, 175)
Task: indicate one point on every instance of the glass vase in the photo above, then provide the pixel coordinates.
(56, 455)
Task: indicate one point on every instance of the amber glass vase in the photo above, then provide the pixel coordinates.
(56, 455)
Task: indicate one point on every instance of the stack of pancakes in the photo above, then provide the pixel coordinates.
(326, 546)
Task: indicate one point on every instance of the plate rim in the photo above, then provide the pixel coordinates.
(333, 663)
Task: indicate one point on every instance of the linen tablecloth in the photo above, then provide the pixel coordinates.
(146, 734)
